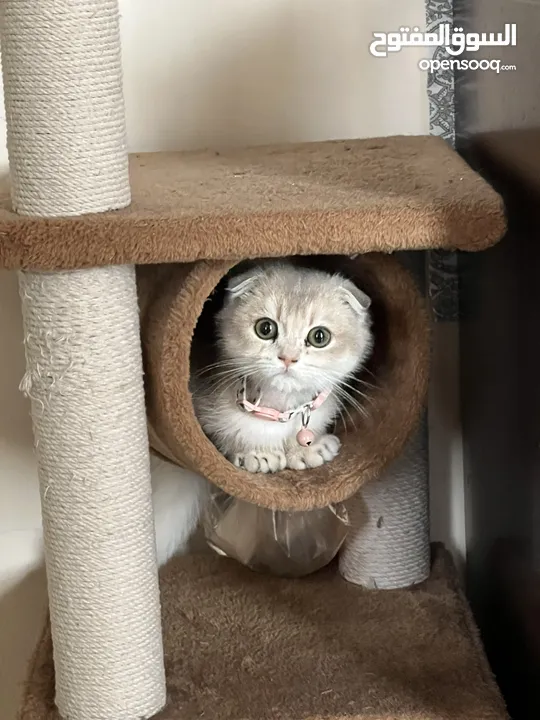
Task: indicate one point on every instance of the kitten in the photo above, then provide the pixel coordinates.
(286, 337)
(291, 334)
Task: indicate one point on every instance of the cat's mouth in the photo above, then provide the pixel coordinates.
(286, 381)
(287, 373)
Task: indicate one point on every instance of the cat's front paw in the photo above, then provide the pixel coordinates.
(260, 462)
(322, 451)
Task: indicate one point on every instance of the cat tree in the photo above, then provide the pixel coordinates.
(75, 217)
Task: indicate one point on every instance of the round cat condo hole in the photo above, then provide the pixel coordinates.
(177, 305)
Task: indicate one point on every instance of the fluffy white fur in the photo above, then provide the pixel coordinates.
(178, 496)
(296, 300)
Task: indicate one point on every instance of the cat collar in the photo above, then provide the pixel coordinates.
(304, 436)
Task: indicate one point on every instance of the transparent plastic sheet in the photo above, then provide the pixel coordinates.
(288, 544)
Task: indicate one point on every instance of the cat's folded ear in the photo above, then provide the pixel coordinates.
(356, 298)
(240, 284)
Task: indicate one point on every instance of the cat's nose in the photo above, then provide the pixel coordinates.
(287, 361)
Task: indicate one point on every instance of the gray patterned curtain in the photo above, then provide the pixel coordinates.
(443, 283)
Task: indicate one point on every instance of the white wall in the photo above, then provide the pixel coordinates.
(213, 72)
(250, 72)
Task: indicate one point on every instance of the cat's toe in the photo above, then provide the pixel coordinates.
(296, 461)
(314, 457)
(304, 458)
(253, 464)
(273, 461)
(237, 460)
(328, 447)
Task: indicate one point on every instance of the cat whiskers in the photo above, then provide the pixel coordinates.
(356, 391)
(231, 373)
(369, 372)
(349, 401)
(217, 365)
(366, 384)
(345, 393)
(228, 380)
(336, 381)
(342, 409)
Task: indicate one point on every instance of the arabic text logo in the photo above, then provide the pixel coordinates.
(452, 39)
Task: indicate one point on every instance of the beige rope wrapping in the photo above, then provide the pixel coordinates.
(61, 62)
(388, 545)
(68, 156)
(85, 381)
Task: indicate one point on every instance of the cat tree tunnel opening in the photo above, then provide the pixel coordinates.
(177, 303)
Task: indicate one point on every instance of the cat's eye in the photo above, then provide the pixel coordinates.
(319, 337)
(266, 329)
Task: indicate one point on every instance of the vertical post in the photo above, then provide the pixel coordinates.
(67, 152)
(388, 545)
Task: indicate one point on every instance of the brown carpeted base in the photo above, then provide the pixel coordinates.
(241, 646)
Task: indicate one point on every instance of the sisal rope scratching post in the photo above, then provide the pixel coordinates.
(84, 378)
(67, 153)
(388, 545)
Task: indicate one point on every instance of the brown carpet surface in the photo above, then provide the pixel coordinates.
(241, 646)
(339, 197)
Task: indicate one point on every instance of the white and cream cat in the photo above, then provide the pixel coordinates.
(289, 341)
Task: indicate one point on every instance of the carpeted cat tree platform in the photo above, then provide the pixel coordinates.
(383, 632)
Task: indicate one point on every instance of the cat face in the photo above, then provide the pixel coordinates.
(294, 329)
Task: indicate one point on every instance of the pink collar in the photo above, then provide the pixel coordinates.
(268, 413)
